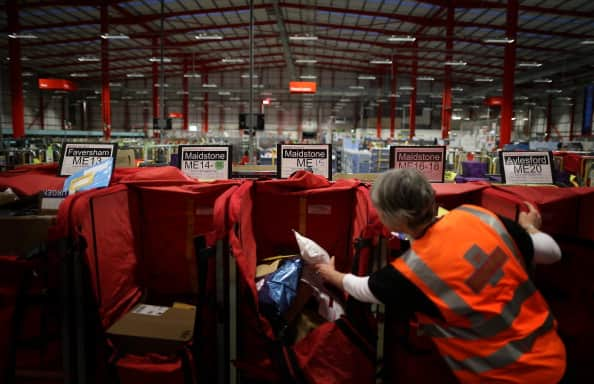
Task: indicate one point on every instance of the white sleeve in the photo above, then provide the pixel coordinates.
(546, 249)
(358, 287)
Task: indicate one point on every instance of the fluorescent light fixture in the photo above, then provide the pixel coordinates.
(553, 90)
(207, 85)
(192, 75)
(564, 98)
(84, 59)
(165, 85)
(142, 92)
(306, 37)
(308, 77)
(366, 77)
(27, 74)
(356, 87)
(234, 98)
(224, 93)
(247, 76)
(22, 36)
(521, 97)
(544, 81)
(232, 60)
(119, 36)
(587, 42)
(206, 36)
(457, 89)
(483, 79)
(500, 40)
(135, 75)
(91, 97)
(306, 61)
(530, 65)
(182, 93)
(345, 100)
(115, 84)
(425, 78)
(380, 61)
(435, 96)
(403, 39)
(455, 63)
(79, 75)
(406, 88)
(258, 86)
(158, 59)
(266, 93)
(197, 98)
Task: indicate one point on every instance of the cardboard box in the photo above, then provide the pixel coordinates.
(153, 329)
(19, 235)
(125, 159)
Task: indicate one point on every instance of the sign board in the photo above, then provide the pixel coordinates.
(77, 156)
(316, 158)
(57, 84)
(205, 162)
(526, 167)
(429, 160)
(302, 87)
(96, 176)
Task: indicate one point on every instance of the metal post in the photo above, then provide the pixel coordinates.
(185, 97)
(507, 107)
(413, 97)
(251, 98)
(105, 90)
(162, 69)
(393, 98)
(446, 102)
(16, 80)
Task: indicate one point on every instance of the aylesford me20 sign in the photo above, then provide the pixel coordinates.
(205, 162)
(316, 158)
(527, 167)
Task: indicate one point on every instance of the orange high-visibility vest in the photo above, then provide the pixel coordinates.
(497, 328)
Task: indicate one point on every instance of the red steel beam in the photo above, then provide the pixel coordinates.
(16, 80)
(446, 102)
(507, 107)
(105, 90)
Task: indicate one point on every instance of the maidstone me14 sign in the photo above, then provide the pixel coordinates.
(526, 167)
(205, 162)
(315, 158)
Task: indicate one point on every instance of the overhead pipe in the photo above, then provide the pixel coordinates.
(105, 90)
(507, 108)
(16, 80)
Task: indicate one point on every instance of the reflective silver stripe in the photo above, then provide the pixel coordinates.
(504, 356)
(493, 325)
(494, 223)
(440, 288)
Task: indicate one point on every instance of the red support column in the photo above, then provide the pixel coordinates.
(16, 80)
(105, 91)
(507, 107)
(185, 97)
(446, 99)
(155, 65)
(41, 111)
(63, 113)
(413, 97)
(300, 122)
(205, 107)
(393, 98)
(549, 118)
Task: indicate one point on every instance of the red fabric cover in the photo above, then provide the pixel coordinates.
(150, 369)
(572, 163)
(450, 195)
(101, 217)
(558, 206)
(262, 215)
(12, 272)
(329, 356)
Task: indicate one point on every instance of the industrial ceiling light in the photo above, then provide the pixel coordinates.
(165, 85)
(366, 77)
(499, 40)
(134, 75)
(84, 59)
(207, 85)
(457, 89)
(380, 61)
(192, 75)
(115, 84)
(308, 77)
(425, 78)
(530, 65)
(232, 60)
(356, 87)
(27, 74)
(483, 79)
(79, 74)
(247, 76)
(224, 93)
(406, 88)
(158, 59)
(206, 36)
(182, 93)
(402, 39)
(306, 61)
(543, 81)
(305, 37)
(455, 63)
(554, 91)
(587, 42)
(118, 36)
(22, 36)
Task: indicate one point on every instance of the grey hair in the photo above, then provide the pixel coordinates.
(404, 193)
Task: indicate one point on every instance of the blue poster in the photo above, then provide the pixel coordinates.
(97, 176)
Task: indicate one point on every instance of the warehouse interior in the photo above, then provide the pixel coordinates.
(145, 271)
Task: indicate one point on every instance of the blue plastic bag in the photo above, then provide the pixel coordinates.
(279, 290)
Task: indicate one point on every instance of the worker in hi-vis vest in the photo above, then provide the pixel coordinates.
(465, 277)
